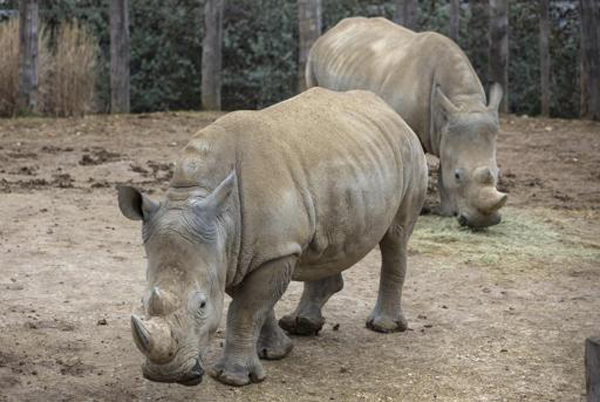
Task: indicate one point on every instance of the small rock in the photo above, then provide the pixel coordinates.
(503, 350)
(428, 325)
(336, 327)
(422, 317)
(102, 321)
(343, 369)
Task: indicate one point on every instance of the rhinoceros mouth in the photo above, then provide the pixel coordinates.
(190, 377)
(480, 221)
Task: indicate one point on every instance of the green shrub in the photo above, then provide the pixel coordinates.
(260, 49)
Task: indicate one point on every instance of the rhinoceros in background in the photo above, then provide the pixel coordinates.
(430, 82)
(299, 191)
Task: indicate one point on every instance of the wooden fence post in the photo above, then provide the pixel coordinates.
(592, 368)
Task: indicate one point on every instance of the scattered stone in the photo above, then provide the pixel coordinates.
(102, 321)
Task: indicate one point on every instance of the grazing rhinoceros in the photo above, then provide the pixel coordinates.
(299, 191)
(430, 82)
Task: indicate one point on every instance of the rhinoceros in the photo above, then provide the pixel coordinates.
(300, 191)
(430, 82)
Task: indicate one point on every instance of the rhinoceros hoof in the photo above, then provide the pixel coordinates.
(301, 325)
(271, 348)
(386, 324)
(237, 374)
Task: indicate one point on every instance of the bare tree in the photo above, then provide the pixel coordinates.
(211, 54)
(309, 21)
(545, 56)
(120, 54)
(590, 58)
(498, 49)
(28, 56)
(454, 19)
(407, 13)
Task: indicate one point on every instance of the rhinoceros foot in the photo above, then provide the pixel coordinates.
(273, 344)
(232, 372)
(387, 324)
(302, 325)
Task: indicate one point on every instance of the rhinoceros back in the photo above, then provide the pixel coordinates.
(321, 176)
(397, 64)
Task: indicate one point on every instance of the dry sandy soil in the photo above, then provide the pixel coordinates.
(495, 315)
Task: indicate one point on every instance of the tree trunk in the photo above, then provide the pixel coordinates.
(478, 45)
(407, 13)
(119, 56)
(211, 54)
(590, 59)
(545, 56)
(498, 48)
(454, 19)
(309, 24)
(28, 56)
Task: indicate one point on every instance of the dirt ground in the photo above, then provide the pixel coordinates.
(495, 315)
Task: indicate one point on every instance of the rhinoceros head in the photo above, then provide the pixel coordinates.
(187, 265)
(468, 169)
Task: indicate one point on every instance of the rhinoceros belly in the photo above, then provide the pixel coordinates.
(352, 215)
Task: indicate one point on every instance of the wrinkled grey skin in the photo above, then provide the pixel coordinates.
(430, 82)
(299, 191)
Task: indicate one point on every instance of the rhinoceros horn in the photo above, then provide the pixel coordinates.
(155, 304)
(153, 338)
(490, 200)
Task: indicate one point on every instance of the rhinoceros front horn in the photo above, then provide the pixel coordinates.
(153, 338)
(491, 200)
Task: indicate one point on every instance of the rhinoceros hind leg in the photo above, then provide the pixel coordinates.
(387, 315)
(251, 306)
(273, 343)
(307, 318)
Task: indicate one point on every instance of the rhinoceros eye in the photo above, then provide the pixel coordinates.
(459, 175)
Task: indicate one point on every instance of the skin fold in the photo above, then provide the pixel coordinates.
(428, 80)
(301, 190)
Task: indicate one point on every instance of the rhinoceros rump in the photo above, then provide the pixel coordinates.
(299, 191)
(430, 82)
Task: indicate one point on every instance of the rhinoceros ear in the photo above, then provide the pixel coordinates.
(134, 205)
(217, 200)
(446, 104)
(495, 97)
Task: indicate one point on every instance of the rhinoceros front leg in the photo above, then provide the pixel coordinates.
(307, 318)
(251, 306)
(445, 208)
(273, 343)
(387, 315)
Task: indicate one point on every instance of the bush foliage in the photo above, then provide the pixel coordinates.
(260, 49)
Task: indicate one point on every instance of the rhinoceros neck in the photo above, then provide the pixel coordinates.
(455, 76)
(204, 163)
